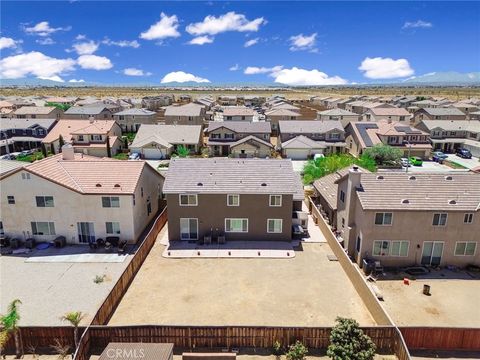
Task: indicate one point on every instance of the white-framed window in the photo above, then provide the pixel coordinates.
(381, 248)
(468, 218)
(399, 248)
(274, 225)
(390, 248)
(465, 248)
(233, 200)
(188, 199)
(229, 136)
(26, 176)
(112, 227)
(439, 219)
(236, 225)
(383, 218)
(275, 200)
(43, 228)
(44, 201)
(97, 137)
(188, 228)
(110, 201)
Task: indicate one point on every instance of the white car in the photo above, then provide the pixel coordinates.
(134, 156)
(405, 162)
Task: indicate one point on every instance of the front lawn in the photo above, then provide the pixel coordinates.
(30, 158)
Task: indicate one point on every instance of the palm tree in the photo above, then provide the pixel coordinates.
(9, 323)
(74, 318)
(183, 151)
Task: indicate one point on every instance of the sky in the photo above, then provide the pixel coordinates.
(254, 42)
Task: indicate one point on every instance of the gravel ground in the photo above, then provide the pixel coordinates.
(307, 290)
(49, 290)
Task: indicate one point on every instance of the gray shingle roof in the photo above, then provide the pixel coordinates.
(328, 188)
(189, 109)
(241, 176)
(167, 134)
(443, 111)
(39, 110)
(6, 124)
(309, 126)
(242, 127)
(86, 110)
(453, 125)
(338, 112)
(303, 142)
(134, 111)
(423, 192)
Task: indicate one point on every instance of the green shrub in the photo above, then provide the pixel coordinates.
(297, 351)
(348, 341)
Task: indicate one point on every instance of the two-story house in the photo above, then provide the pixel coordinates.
(438, 114)
(233, 199)
(344, 116)
(131, 119)
(161, 141)
(411, 141)
(154, 103)
(23, 134)
(98, 112)
(301, 139)
(275, 115)
(238, 113)
(80, 197)
(392, 114)
(91, 137)
(37, 112)
(188, 114)
(239, 138)
(410, 219)
(448, 136)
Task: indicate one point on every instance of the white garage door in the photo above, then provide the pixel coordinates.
(297, 154)
(152, 154)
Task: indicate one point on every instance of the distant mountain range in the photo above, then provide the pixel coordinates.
(432, 79)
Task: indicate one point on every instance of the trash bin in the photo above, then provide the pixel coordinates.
(15, 243)
(30, 243)
(426, 290)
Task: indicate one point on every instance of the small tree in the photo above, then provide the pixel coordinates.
(383, 154)
(60, 143)
(61, 349)
(44, 150)
(74, 318)
(182, 151)
(109, 150)
(9, 324)
(125, 142)
(297, 351)
(347, 341)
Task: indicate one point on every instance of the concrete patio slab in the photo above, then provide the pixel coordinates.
(78, 258)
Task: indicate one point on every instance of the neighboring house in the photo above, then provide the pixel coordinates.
(285, 106)
(392, 114)
(344, 116)
(332, 103)
(241, 199)
(37, 112)
(360, 106)
(475, 115)
(404, 101)
(343, 103)
(274, 116)
(97, 112)
(448, 136)
(465, 108)
(410, 219)
(62, 100)
(227, 100)
(154, 103)
(80, 197)
(300, 139)
(253, 100)
(206, 101)
(160, 141)
(438, 114)
(131, 119)
(8, 166)
(238, 113)
(87, 136)
(188, 114)
(412, 142)
(23, 134)
(239, 138)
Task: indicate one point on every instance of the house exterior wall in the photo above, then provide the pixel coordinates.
(54, 114)
(344, 119)
(236, 136)
(105, 114)
(132, 122)
(212, 210)
(423, 115)
(249, 150)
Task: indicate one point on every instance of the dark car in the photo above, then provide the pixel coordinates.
(464, 153)
(439, 156)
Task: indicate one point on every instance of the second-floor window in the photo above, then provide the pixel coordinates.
(468, 218)
(439, 219)
(110, 201)
(383, 218)
(44, 201)
(80, 137)
(96, 137)
(215, 136)
(275, 200)
(188, 200)
(335, 136)
(233, 200)
(229, 136)
(342, 196)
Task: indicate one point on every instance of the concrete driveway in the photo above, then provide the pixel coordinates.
(468, 163)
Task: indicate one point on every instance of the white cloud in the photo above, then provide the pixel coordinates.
(94, 62)
(33, 63)
(253, 70)
(251, 42)
(85, 48)
(43, 29)
(80, 37)
(201, 40)
(303, 77)
(45, 41)
(230, 21)
(6, 43)
(417, 24)
(234, 67)
(385, 68)
(76, 81)
(165, 28)
(121, 43)
(135, 72)
(181, 77)
(51, 78)
(303, 42)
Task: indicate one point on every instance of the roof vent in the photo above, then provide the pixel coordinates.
(199, 184)
(448, 178)
(412, 178)
(263, 184)
(380, 177)
(116, 185)
(452, 202)
(405, 201)
(98, 185)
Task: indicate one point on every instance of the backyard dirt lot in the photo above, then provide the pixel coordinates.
(453, 302)
(50, 289)
(308, 290)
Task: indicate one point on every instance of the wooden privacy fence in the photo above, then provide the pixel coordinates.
(441, 338)
(43, 337)
(112, 300)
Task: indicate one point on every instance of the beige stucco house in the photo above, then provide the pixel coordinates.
(188, 114)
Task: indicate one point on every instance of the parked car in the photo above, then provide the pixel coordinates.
(134, 156)
(28, 152)
(464, 153)
(7, 157)
(405, 162)
(439, 156)
(416, 161)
